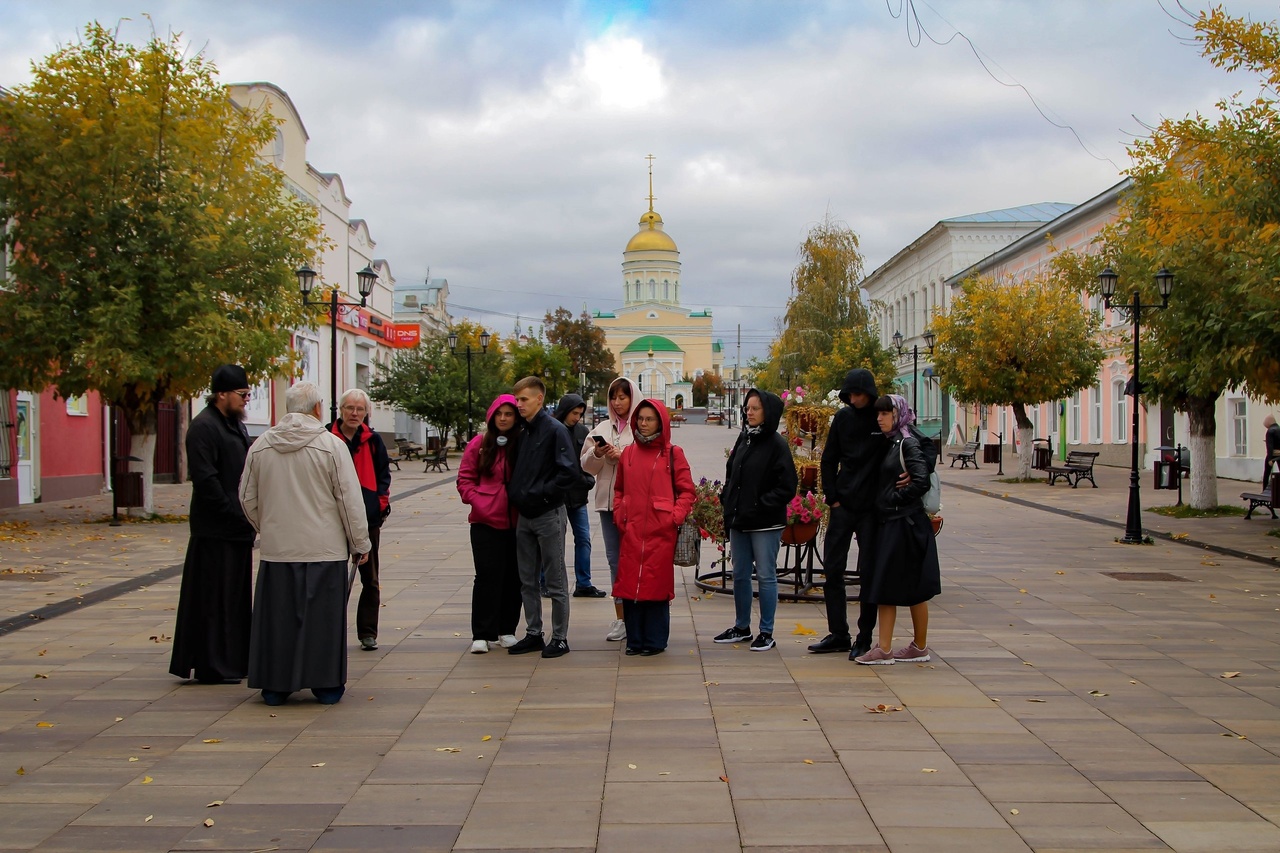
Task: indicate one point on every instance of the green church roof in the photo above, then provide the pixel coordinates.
(655, 342)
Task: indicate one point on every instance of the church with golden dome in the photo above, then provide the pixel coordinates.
(656, 342)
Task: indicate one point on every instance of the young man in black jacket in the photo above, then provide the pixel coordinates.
(850, 460)
(545, 471)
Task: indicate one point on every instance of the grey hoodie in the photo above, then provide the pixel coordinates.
(300, 491)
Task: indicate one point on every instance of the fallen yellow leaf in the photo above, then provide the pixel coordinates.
(208, 821)
(147, 780)
(1229, 675)
(213, 740)
(486, 738)
(1041, 701)
(882, 708)
(41, 675)
(448, 749)
(631, 767)
(1023, 591)
(1013, 811)
(724, 779)
(808, 761)
(148, 818)
(1096, 693)
(132, 758)
(927, 770)
(214, 804)
(1179, 535)
(43, 725)
(22, 771)
(321, 764)
(802, 631)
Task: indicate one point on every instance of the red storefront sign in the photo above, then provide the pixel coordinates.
(403, 335)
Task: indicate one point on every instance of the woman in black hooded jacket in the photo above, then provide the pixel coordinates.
(760, 481)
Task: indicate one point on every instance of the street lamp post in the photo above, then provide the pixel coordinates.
(367, 278)
(1108, 280)
(929, 338)
(453, 350)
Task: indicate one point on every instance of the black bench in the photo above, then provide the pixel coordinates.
(965, 455)
(1077, 466)
(408, 449)
(436, 459)
(1270, 499)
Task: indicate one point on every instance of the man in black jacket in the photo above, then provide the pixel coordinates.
(569, 411)
(1272, 452)
(546, 469)
(211, 635)
(373, 468)
(850, 460)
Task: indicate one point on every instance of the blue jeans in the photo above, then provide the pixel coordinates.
(758, 550)
(609, 532)
(577, 520)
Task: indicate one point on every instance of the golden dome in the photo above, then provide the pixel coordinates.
(651, 237)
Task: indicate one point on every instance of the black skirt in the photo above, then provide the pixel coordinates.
(904, 562)
(211, 635)
(299, 626)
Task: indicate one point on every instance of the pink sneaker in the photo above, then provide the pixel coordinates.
(913, 653)
(877, 655)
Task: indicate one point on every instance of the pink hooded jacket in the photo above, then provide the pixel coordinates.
(487, 494)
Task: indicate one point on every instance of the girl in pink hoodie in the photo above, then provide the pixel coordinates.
(482, 483)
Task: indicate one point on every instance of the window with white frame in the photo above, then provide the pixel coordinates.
(1033, 412)
(1073, 419)
(1120, 412)
(1095, 416)
(1239, 410)
(78, 405)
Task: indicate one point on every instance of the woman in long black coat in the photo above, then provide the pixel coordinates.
(905, 570)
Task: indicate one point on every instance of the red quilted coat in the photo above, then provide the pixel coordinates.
(652, 496)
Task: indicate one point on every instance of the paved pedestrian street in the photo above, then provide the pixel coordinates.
(1084, 695)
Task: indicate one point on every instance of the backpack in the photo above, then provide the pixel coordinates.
(932, 499)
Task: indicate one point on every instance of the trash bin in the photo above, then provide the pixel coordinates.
(991, 453)
(1041, 454)
(127, 486)
(1171, 465)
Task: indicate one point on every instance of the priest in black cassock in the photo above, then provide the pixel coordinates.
(214, 608)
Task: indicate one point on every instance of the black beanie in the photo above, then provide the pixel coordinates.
(229, 377)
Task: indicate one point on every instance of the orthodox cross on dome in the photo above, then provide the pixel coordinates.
(650, 158)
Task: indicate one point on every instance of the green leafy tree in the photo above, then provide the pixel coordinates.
(427, 382)
(1017, 344)
(588, 351)
(149, 244)
(825, 310)
(536, 357)
(852, 349)
(1205, 203)
(490, 374)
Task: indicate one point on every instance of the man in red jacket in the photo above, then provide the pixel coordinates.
(373, 467)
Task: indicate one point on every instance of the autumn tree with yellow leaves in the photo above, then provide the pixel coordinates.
(1017, 344)
(148, 242)
(1205, 203)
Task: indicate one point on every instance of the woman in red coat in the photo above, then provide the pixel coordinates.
(652, 496)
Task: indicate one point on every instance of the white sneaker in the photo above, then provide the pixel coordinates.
(506, 641)
(617, 631)
(479, 647)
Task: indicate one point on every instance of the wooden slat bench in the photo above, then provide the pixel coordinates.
(1270, 499)
(965, 455)
(1077, 466)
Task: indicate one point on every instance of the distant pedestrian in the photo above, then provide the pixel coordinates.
(600, 454)
(1272, 449)
(301, 492)
(652, 496)
(569, 411)
(760, 480)
(545, 470)
(483, 475)
(211, 635)
(905, 570)
(373, 467)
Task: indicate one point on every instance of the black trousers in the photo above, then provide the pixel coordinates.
(370, 591)
(841, 529)
(495, 593)
(648, 624)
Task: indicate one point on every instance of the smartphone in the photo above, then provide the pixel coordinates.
(600, 442)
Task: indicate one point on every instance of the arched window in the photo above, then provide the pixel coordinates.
(1120, 404)
(1073, 419)
(653, 289)
(666, 289)
(1095, 417)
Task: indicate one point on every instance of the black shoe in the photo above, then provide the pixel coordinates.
(733, 635)
(859, 649)
(830, 643)
(589, 592)
(530, 643)
(651, 652)
(762, 643)
(634, 652)
(328, 695)
(555, 649)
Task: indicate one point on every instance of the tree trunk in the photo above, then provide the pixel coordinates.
(143, 446)
(1025, 434)
(1204, 451)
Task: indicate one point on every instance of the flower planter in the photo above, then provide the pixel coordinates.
(799, 534)
(808, 479)
(807, 422)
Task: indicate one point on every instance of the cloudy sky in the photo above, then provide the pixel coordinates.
(502, 145)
